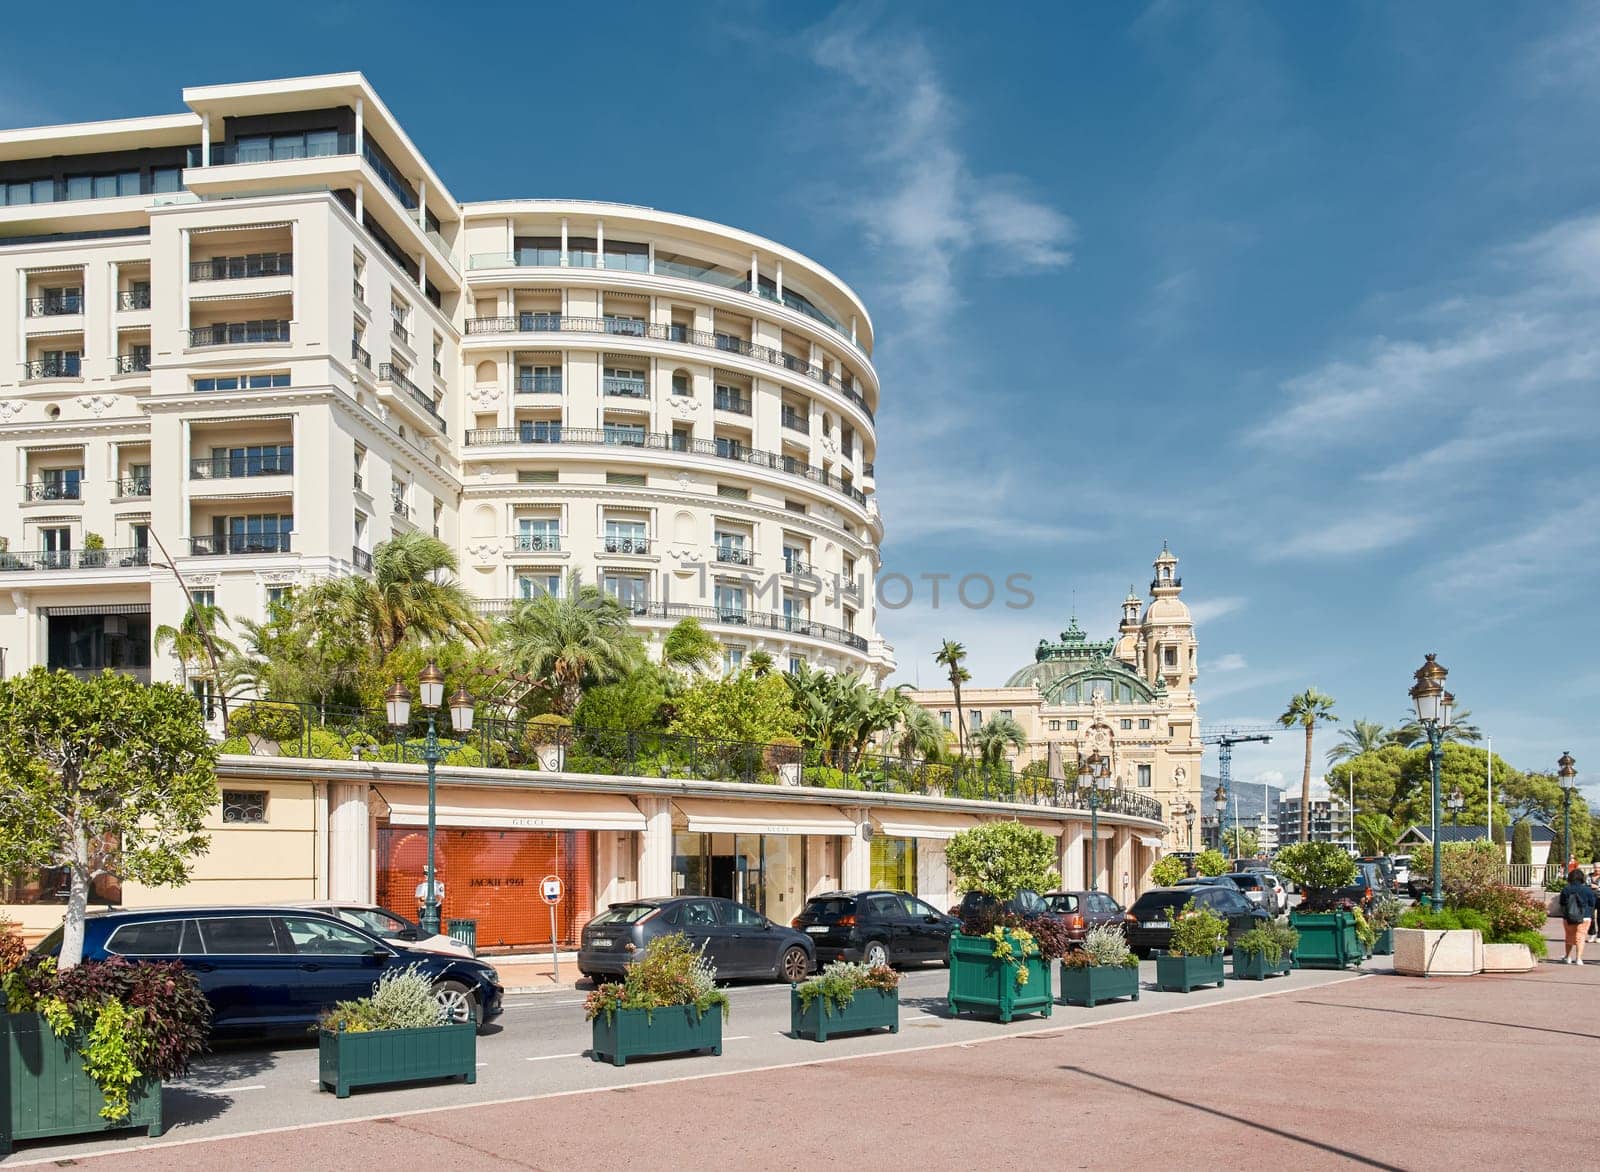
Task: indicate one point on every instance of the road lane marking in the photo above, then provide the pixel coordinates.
(1094, 1023)
(255, 1086)
(548, 1057)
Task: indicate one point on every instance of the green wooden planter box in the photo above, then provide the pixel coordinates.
(1253, 966)
(1327, 940)
(1099, 983)
(1180, 974)
(983, 983)
(382, 1057)
(647, 1033)
(869, 1009)
(47, 1092)
(1384, 944)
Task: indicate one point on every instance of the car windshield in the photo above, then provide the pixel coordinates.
(1245, 880)
(379, 923)
(624, 913)
(829, 909)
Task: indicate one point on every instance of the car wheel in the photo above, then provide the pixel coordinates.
(795, 964)
(874, 954)
(457, 1003)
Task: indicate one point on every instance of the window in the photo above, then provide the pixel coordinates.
(1144, 722)
(277, 594)
(944, 717)
(236, 935)
(1055, 726)
(728, 492)
(626, 479)
(533, 378)
(740, 916)
(729, 448)
(729, 601)
(323, 938)
(796, 663)
(265, 148)
(1127, 724)
(1169, 656)
(242, 382)
(244, 805)
(1005, 712)
(60, 484)
(253, 460)
(539, 431)
(1144, 777)
(1072, 726)
(680, 383)
(543, 251)
(155, 938)
(795, 506)
(626, 536)
(55, 540)
(539, 582)
(732, 659)
(632, 590)
(975, 719)
(538, 533)
(630, 435)
(59, 364)
(537, 476)
(204, 597)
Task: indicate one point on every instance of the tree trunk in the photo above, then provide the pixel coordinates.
(77, 903)
(961, 724)
(1305, 792)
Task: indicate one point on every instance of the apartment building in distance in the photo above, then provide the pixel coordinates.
(251, 341)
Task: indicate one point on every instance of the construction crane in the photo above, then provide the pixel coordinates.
(1225, 739)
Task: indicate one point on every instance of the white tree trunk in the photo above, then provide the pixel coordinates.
(77, 903)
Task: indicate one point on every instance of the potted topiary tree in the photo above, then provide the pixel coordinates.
(94, 550)
(1168, 871)
(845, 998)
(266, 727)
(395, 1034)
(783, 756)
(1199, 938)
(667, 1003)
(1264, 951)
(1103, 969)
(547, 737)
(1000, 958)
(1327, 927)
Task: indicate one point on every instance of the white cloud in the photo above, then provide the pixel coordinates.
(1232, 661)
(1206, 610)
(1362, 534)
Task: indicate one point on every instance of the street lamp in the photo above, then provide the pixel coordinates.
(1455, 802)
(1434, 706)
(1565, 769)
(397, 703)
(1188, 818)
(1221, 799)
(1098, 770)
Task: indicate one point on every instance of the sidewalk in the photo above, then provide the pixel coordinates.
(534, 974)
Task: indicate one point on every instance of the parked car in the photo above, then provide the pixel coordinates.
(1209, 881)
(1385, 866)
(391, 926)
(876, 927)
(1148, 924)
(1369, 883)
(1280, 892)
(1402, 872)
(1081, 910)
(1255, 888)
(1249, 865)
(739, 940)
(268, 969)
(1023, 903)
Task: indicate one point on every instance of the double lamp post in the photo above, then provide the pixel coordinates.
(397, 702)
(1434, 707)
(1097, 769)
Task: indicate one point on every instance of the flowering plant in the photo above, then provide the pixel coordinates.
(838, 983)
(669, 973)
(1013, 946)
(1198, 931)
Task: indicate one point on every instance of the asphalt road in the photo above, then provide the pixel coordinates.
(539, 1047)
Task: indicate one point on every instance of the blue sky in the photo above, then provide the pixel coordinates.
(1308, 290)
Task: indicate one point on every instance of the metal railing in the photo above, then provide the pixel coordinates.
(535, 542)
(388, 373)
(542, 323)
(359, 353)
(235, 268)
(626, 388)
(219, 544)
(661, 441)
(76, 559)
(133, 299)
(795, 421)
(239, 333)
(130, 363)
(727, 616)
(240, 467)
(399, 333)
(361, 559)
(53, 368)
(53, 490)
(868, 468)
(724, 399)
(398, 506)
(538, 384)
(1535, 875)
(625, 545)
(56, 306)
(735, 555)
(133, 486)
(499, 742)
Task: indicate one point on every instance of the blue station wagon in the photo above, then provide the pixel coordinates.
(267, 969)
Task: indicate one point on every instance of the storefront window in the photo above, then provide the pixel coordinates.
(764, 871)
(894, 863)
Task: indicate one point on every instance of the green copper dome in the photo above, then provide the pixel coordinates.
(1073, 669)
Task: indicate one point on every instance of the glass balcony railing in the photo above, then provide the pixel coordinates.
(221, 544)
(538, 384)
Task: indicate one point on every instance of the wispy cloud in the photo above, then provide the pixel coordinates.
(1349, 536)
(1207, 610)
(1232, 661)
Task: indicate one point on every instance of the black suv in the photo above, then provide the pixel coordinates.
(1024, 903)
(1149, 922)
(876, 927)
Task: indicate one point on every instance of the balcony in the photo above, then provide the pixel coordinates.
(359, 353)
(543, 323)
(729, 554)
(238, 268)
(795, 421)
(663, 442)
(387, 373)
(76, 559)
(398, 331)
(536, 543)
(224, 544)
(868, 468)
(280, 463)
(53, 490)
(726, 616)
(727, 399)
(247, 333)
(133, 299)
(41, 368)
(131, 363)
(625, 388)
(361, 559)
(538, 384)
(633, 546)
(132, 488)
(398, 506)
(360, 292)
(58, 305)
(230, 154)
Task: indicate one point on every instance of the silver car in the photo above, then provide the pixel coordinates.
(390, 926)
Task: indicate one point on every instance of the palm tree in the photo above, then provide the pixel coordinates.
(998, 734)
(950, 654)
(688, 648)
(412, 591)
(1376, 833)
(1306, 709)
(759, 662)
(918, 732)
(1409, 733)
(195, 643)
(1363, 736)
(578, 640)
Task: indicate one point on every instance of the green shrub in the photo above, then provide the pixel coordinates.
(1104, 946)
(1315, 866)
(1168, 870)
(402, 999)
(1510, 910)
(1002, 858)
(782, 751)
(236, 745)
(1211, 862)
(671, 972)
(545, 730)
(1198, 931)
(1273, 939)
(1534, 940)
(271, 722)
(1522, 842)
(1446, 920)
(838, 983)
(327, 746)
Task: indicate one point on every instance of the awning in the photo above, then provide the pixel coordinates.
(1146, 840)
(1055, 829)
(515, 810)
(705, 816)
(921, 823)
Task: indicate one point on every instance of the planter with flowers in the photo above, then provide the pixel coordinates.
(86, 1050)
(1103, 969)
(1199, 938)
(1383, 915)
(845, 998)
(396, 1034)
(1327, 924)
(667, 1003)
(1003, 973)
(1265, 951)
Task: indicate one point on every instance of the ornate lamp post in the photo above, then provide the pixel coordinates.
(1221, 799)
(1434, 706)
(397, 702)
(1566, 769)
(1455, 801)
(1098, 770)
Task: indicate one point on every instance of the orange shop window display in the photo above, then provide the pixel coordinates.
(492, 876)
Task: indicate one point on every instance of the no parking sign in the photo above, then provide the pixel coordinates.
(550, 892)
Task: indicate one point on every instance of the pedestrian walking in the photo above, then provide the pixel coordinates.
(1577, 905)
(1594, 920)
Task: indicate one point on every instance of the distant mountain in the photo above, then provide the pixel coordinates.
(1247, 795)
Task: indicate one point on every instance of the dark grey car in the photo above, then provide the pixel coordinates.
(738, 940)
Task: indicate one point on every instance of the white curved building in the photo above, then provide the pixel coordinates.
(251, 341)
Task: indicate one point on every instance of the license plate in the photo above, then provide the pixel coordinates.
(598, 943)
(818, 929)
(1155, 924)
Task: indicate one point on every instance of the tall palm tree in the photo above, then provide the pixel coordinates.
(689, 648)
(951, 654)
(195, 643)
(412, 591)
(1306, 709)
(997, 735)
(576, 641)
(1409, 733)
(1363, 736)
(918, 732)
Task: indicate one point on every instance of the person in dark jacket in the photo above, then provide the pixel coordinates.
(1577, 904)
